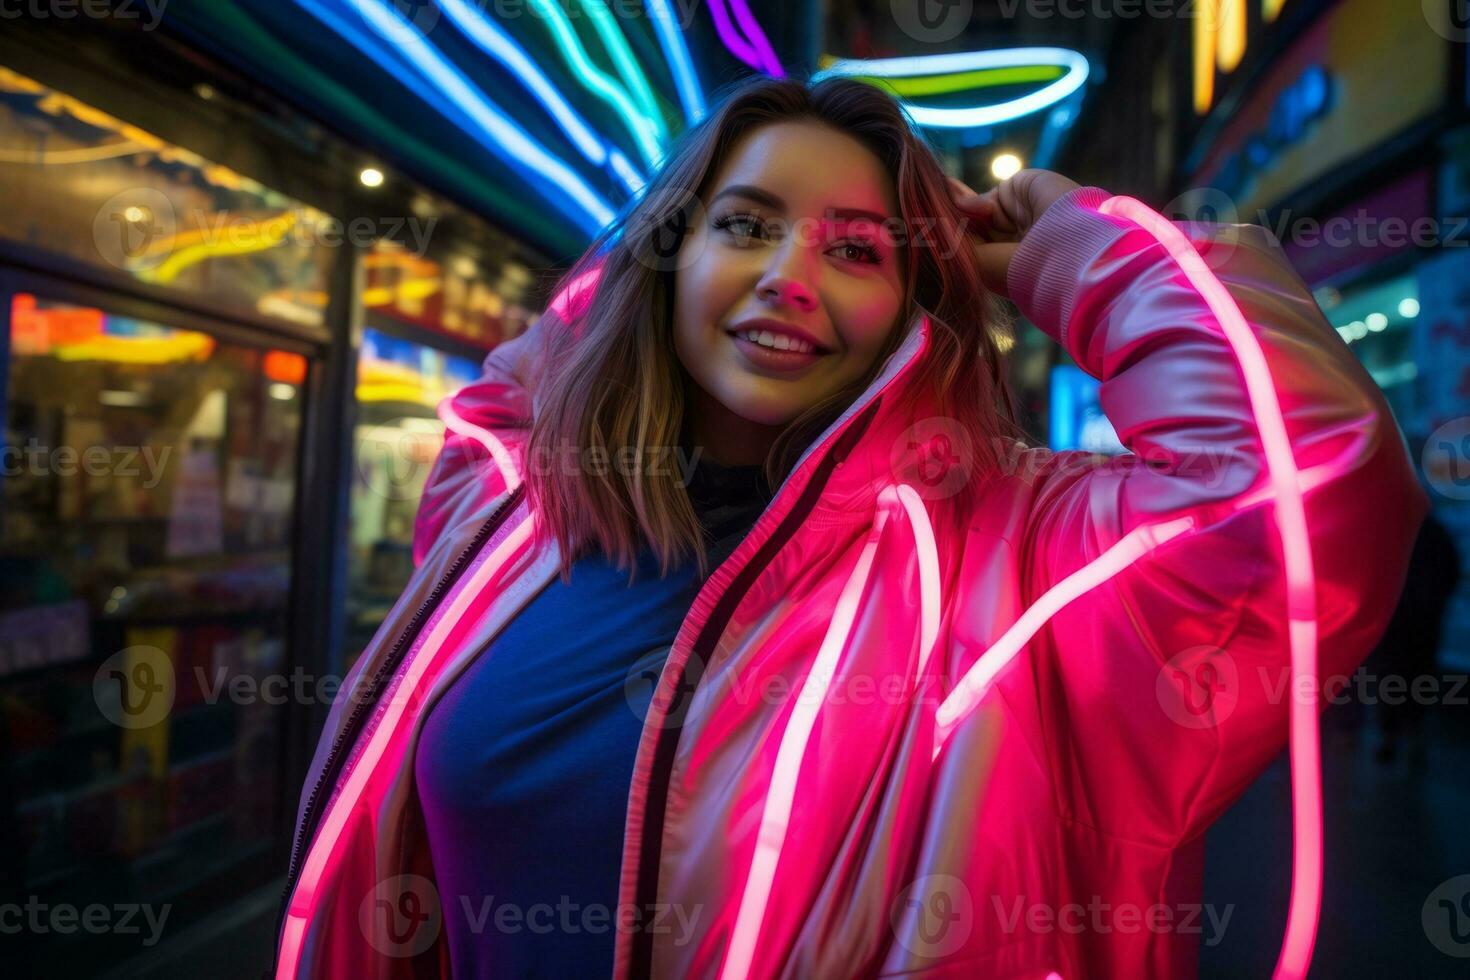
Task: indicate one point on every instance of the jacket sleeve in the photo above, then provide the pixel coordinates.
(488, 422)
(1160, 692)
(490, 414)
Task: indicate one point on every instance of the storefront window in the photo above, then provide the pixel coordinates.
(399, 385)
(455, 297)
(149, 486)
(1376, 317)
(85, 185)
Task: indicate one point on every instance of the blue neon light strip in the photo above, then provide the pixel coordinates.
(459, 100)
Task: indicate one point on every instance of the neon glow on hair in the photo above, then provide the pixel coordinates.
(1301, 586)
(984, 115)
(460, 101)
(323, 850)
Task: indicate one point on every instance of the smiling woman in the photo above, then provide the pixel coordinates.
(748, 296)
(877, 677)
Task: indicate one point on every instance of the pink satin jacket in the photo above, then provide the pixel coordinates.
(919, 724)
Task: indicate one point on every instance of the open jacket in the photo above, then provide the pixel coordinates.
(919, 723)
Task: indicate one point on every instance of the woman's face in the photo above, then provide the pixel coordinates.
(798, 233)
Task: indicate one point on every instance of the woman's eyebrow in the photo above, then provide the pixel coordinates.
(762, 196)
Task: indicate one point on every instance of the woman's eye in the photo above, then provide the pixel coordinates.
(743, 226)
(858, 252)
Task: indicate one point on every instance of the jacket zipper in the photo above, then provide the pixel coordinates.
(348, 731)
(645, 893)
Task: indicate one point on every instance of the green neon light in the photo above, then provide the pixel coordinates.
(643, 128)
(627, 66)
(963, 81)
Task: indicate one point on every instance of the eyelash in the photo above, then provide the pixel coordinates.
(869, 252)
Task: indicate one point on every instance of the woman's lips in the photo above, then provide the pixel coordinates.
(786, 361)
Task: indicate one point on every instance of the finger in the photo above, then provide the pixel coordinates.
(993, 259)
(959, 189)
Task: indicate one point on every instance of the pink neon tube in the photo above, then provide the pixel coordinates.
(323, 849)
(1301, 599)
(456, 423)
(977, 680)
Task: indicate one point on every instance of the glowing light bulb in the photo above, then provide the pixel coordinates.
(1005, 165)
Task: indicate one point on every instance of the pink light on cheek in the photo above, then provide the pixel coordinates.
(1291, 518)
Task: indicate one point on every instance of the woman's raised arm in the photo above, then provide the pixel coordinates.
(1170, 586)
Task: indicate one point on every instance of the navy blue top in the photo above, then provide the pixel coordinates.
(524, 763)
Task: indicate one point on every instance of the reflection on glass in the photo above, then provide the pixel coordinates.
(84, 184)
(399, 384)
(453, 297)
(149, 479)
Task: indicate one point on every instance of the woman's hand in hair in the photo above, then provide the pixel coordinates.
(1000, 218)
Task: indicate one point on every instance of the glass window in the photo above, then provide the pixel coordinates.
(149, 485)
(83, 184)
(454, 297)
(1376, 317)
(399, 385)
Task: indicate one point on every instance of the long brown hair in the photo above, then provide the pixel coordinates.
(614, 388)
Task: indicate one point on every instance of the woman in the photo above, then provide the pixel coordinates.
(724, 659)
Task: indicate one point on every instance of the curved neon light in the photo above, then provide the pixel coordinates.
(324, 849)
(1286, 483)
(495, 130)
(971, 688)
(753, 47)
(643, 128)
(985, 115)
(671, 39)
(491, 39)
(261, 235)
(626, 65)
(503, 462)
(1301, 585)
(964, 81)
(776, 810)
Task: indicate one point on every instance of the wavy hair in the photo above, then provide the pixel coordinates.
(614, 387)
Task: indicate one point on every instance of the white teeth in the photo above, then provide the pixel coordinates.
(775, 341)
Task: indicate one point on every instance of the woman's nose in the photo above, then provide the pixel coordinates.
(786, 282)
